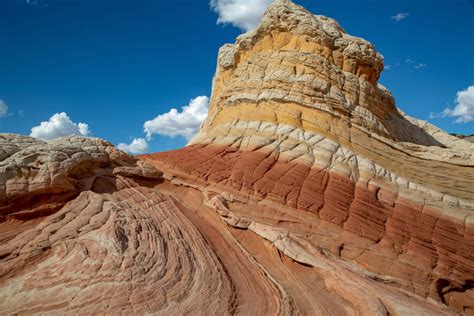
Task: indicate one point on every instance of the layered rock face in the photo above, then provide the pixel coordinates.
(306, 192)
(303, 147)
(87, 229)
(38, 177)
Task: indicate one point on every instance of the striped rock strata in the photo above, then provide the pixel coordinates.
(306, 192)
(85, 230)
(298, 124)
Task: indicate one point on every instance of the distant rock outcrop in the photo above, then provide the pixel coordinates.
(469, 138)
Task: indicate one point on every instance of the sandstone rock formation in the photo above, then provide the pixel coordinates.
(306, 191)
(84, 230)
(469, 138)
(298, 123)
(33, 172)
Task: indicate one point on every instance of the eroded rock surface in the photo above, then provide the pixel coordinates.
(84, 229)
(306, 192)
(34, 172)
(298, 123)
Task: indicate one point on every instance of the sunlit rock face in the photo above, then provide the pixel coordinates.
(306, 192)
(298, 123)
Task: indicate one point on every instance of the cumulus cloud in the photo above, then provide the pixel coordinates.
(59, 125)
(3, 109)
(463, 112)
(244, 14)
(136, 147)
(400, 16)
(184, 123)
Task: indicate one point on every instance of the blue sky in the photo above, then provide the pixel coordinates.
(115, 64)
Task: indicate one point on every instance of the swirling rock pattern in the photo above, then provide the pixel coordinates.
(306, 191)
(131, 251)
(114, 243)
(298, 123)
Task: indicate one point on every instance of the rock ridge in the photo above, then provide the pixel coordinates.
(32, 170)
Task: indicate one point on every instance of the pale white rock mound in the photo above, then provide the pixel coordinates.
(34, 171)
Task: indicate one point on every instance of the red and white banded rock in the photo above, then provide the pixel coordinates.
(297, 122)
(306, 191)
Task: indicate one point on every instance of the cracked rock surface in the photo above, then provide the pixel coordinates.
(49, 173)
(307, 191)
(303, 147)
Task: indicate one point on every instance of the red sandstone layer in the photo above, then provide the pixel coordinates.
(127, 240)
(426, 253)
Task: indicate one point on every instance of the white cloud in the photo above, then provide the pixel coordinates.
(388, 67)
(420, 65)
(3, 109)
(59, 125)
(184, 123)
(244, 14)
(415, 64)
(400, 16)
(36, 3)
(138, 146)
(464, 109)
